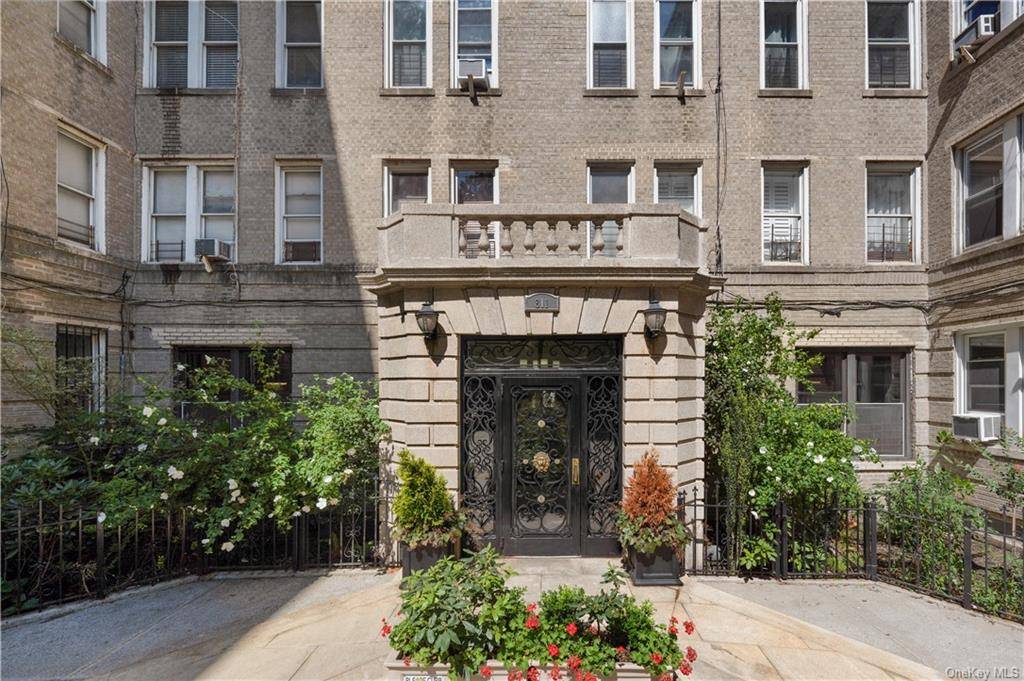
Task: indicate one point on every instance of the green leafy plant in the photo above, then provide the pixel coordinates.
(424, 512)
(647, 521)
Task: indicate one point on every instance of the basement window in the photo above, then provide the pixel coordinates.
(81, 357)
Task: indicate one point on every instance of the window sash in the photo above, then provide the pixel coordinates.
(67, 226)
(89, 42)
(974, 384)
(301, 249)
(686, 46)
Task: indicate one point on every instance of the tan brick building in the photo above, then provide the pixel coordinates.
(846, 155)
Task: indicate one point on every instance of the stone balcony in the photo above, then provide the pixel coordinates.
(540, 244)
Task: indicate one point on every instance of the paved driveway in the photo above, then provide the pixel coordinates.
(327, 627)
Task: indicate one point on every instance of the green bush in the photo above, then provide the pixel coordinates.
(424, 513)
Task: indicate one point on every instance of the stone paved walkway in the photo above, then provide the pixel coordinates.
(311, 631)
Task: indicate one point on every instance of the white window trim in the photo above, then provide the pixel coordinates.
(1012, 130)
(1013, 356)
(914, 36)
(99, 188)
(631, 188)
(915, 220)
(696, 29)
(698, 181)
(279, 172)
(805, 213)
(281, 70)
(454, 43)
(391, 166)
(801, 48)
(630, 43)
(389, 16)
(98, 48)
(193, 203)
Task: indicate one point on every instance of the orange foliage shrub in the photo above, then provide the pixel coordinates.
(650, 498)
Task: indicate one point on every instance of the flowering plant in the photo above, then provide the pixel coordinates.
(647, 521)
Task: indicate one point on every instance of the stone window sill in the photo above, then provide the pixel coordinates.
(672, 92)
(895, 93)
(982, 249)
(456, 92)
(407, 92)
(784, 92)
(297, 92)
(610, 92)
(83, 55)
(187, 91)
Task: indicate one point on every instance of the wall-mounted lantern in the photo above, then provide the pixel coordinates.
(426, 319)
(654, 320)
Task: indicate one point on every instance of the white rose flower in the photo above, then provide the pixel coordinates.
(270, 515)
(828, 479)
(163, 495)
(101, 516)
(296, 514)
(305, 509)
(347, 472)
(235, 493)
(819, 459)
(328, 479)
(94, 440)
(232, 484)
(857, 449)
(752, 494)
(195, 433)
(227, 546)
(147, 411)
(205, 542)
(162, 421)
(170, 471)
(769, 469)
(241, 500)
(351, 451)
(778, 479)
(332, 380)
(756, 516)
(872, 451)
(179, 474)
(256, 484)
(225, 523)
(810, 445)
(333, 502)
(277, 498)
(207, 359)
(143, 447)
(321, 503)
(763, 450)
(179, 366)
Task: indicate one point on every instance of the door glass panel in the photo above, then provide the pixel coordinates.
(541, 461)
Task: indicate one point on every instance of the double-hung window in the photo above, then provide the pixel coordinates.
(300, 214)
(677, 43)
(990, 372)
(474, 36)
(300, 44)
(192, 44)
(783, 44)
(990, 195)
(406, 182)
(678, 183)
(610, 57)
(408, 43)
(83, 23)
(891, 208)
(184, 203)
(81, 354)
(79, 190)
(477, 183)
(892, 36)
(608, 183)
(784, 217)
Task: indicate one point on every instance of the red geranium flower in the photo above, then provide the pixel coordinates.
(691, 654)
(553, 650)
(485, 672)
(574, 662)
(571, 628)
(688, 625)
(532, 622)
(621, 650)
(673, 629)
(515, 675)
(385, 630)
(532, 674)
(684, 668)
(555, 673)
(406, 661)
(593, 629)
(673, 620)
(532, 607)
(656, 658)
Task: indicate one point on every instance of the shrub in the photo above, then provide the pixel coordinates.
(424, 513)
(648, 520)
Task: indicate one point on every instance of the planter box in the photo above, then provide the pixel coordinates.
(397, 671)
(655, 569)
(423, 558)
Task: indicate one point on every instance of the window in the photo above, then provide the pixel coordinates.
(475, 36)
(607, 183)
(300, 51)
(782, 63)
(301, 219)
(80, 184)
(990, 374)
(991, 201)
(193, 44)
(892, 34)
(610, 56)
(83, 23)
(678, 183)
(873, 383)
(784, 222)
(408, 32)
(677, 43)
(184, 203)
(405, 183)
(477, 184)
(891, 205)
(81, 354)
(241, 363)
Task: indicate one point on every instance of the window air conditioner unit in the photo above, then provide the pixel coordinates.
(475, 69)
(979, 30)
(981, 427)
(213, 249)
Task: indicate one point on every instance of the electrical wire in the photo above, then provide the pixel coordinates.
(7, 206)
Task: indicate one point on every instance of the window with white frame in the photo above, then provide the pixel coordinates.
(80, 183)
(477, 183)
(185, 202)
(990, 203)
(783, 44)
(678, 183)
(81, 358)
(192, 44)
(990, 374)
(408, 43)
(784, 217)
(607, 183)
(891, 207)
(677, 42)
(610, 57)
(475, 36)
(300, 214)
(84, 23)
(300, 44)
(405, 182)
(892, 43)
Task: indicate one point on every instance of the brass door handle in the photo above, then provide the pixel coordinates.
(575, 471)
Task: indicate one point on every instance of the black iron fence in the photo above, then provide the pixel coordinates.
(53, 555)
(975, 560)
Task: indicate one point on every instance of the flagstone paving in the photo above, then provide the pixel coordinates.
(329, 628)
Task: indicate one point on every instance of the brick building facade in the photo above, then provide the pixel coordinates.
(827, 122)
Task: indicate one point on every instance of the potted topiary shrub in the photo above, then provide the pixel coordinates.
(648, 527)
(426, 522)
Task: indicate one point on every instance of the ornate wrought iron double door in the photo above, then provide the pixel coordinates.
(541, 445)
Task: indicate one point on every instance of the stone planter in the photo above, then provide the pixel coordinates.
(397, 671)
(423, 557)
(660, 568)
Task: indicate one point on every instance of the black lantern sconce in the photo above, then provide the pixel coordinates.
(426, 319)
(654, 320)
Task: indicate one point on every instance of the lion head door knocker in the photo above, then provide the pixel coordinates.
(541, 462)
